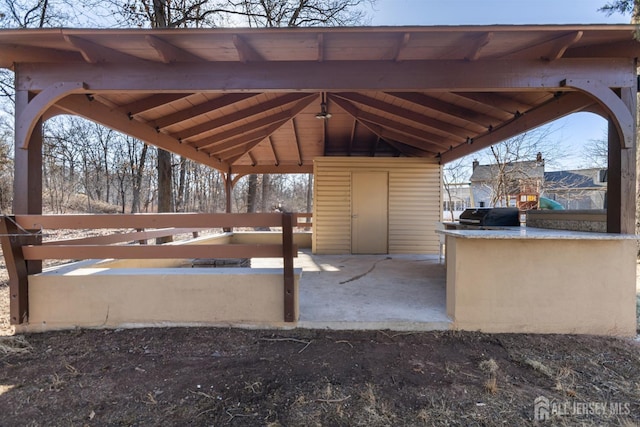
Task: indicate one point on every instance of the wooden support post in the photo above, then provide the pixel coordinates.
(12, 241)
(287, 254)
(228, 189)
(621, 185)
(27, 170)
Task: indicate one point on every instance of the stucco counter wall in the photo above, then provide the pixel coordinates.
(543, 281)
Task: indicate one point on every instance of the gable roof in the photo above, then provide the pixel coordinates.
(585, 178)
(529, 169)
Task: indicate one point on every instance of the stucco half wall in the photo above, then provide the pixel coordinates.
(542, 286)
(119, 297)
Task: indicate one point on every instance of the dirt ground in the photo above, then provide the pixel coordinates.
(218, 376)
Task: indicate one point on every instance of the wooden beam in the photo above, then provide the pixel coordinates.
(81, 106)
(408, 150)
(623, 119)
(479, 43)
(243, 138)
(273, 150)
(31, 113)
(169, 53)
(12, 241)
(246, 52)
(215, 142)
(410, 115)
(296, 139)
(200, 109)
(320, 42)
(561, 44)
(473, 117)
(150, 102)
(151, 251)
(559, 107)
(621, 186)
(94, 53)
(123, 237)
(144, 220)
(245, 114)
(402, 44)
(281, 168)
(12, 54)
(496, 101)
(389, 134)
(383, 121)
(388, 76)
(27, 164)
(289, 251)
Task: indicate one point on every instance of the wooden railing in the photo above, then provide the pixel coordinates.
(306, 219)
(24, 250)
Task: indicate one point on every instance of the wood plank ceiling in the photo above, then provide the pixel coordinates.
(283, 131)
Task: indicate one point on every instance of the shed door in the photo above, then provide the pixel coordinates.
(369, 212)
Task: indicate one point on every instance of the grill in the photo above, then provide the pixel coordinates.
(489, 217)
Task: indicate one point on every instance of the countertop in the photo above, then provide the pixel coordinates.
(530, 233)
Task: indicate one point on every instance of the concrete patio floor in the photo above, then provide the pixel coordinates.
(397, 292)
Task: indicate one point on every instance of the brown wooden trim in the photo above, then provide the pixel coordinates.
(17, 268)
(141, 236)
(143, 220)
(33, 252)
(288, 252)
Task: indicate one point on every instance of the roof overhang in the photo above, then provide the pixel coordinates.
(246, 100)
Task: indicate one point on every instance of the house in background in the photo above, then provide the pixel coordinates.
(456, 197)
(573, 189)
(502, 184)
(577, 189)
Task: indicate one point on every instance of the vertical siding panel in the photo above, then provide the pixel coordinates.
(414, 203)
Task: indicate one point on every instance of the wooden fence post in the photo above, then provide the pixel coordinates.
(12, 242)
(287, 255)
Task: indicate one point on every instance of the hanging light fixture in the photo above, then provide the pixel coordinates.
(323, 114)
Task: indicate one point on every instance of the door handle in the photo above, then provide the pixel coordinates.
(354, 216)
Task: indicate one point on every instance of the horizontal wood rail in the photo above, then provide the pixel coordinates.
(21, 239)
(307, 219)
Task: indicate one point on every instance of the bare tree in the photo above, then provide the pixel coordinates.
(454, 175)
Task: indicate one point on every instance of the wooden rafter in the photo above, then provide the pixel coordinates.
(218, 140)
(94, 53)
(410, 115)
(81, 106)
(354, 128)
(474, 118)
(479, 43)
(558, 107)
(402, 44)
(200, 109)
(320, 42)
(416, 133)
(408, 150)
(297, 141)
(552, 45)
(169, 53)
(496, 102)
(243, 114)
(240, 138)
(388, 134)
(11, 54)
(276, 160)
(246, 52)
(561, 44)
(150, 102)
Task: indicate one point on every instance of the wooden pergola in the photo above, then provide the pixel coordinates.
(258, 100)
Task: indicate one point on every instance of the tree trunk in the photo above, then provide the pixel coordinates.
(182, 178)
(137, 180)
(252, 192)
(266, 187)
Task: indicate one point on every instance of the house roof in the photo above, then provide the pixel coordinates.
(246, 100)
(586, 178)
(516, 170)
